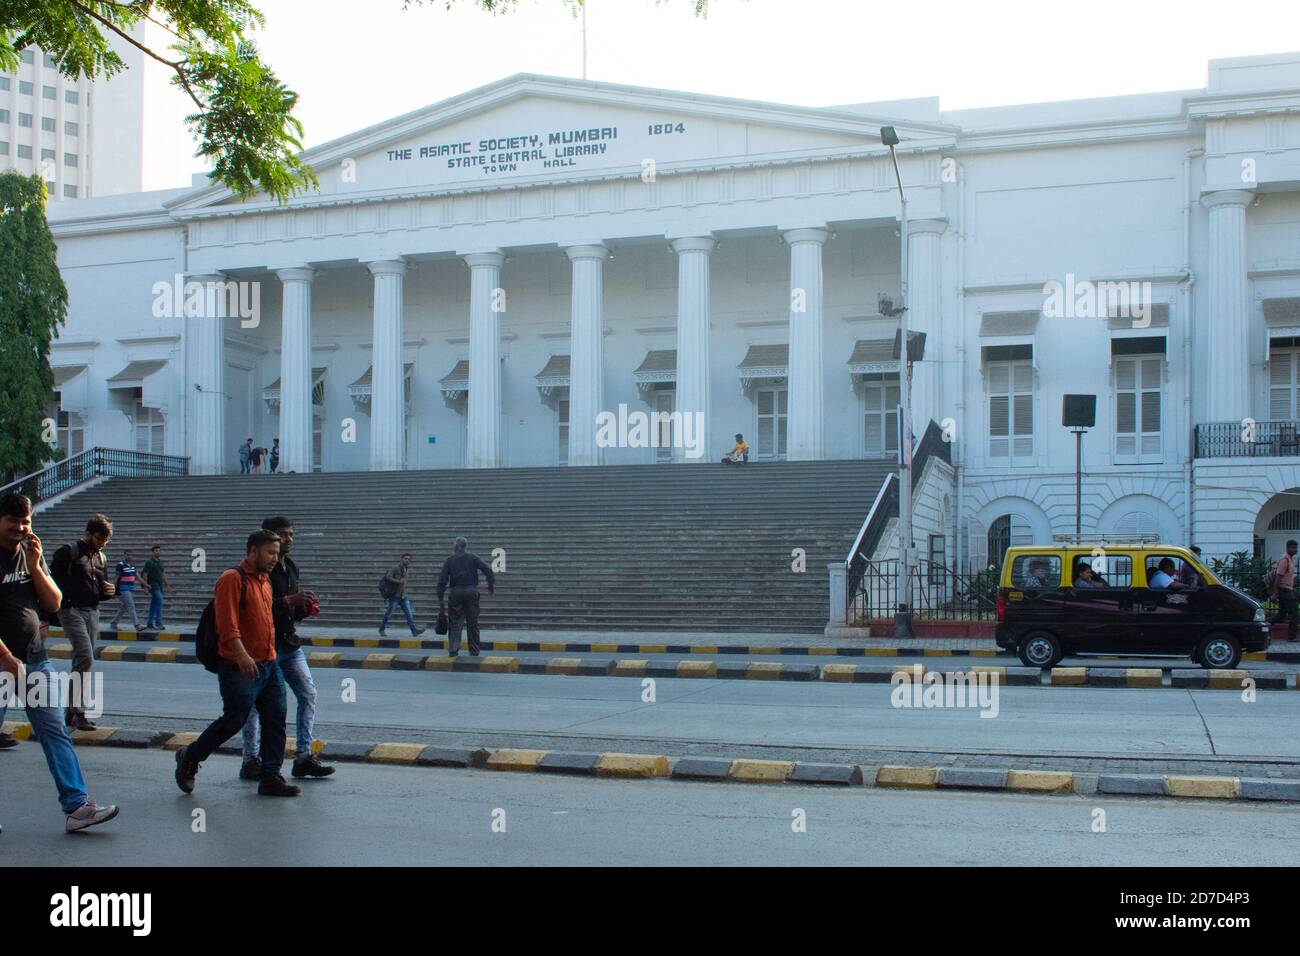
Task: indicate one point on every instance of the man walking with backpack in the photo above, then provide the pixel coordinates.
(79, 570)
(240, 623)
(393, 589)
(289, 605)
(126, 575)
(461, 572)
(1286, 599)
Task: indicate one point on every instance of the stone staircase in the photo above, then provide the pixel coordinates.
(638, 547)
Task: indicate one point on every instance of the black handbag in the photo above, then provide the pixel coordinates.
(442, 626)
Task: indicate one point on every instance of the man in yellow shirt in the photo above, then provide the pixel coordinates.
(739, 453)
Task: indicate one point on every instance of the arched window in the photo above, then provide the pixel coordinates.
(1135, 524)
(1003, 533)
(1286, 521)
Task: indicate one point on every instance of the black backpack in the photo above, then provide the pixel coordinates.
(206, 638)
(387, 589)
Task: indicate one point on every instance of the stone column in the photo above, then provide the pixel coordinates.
(1227, 340)
(692, 395)
(586, 352)
(806, 372)
(484, 411)
(925, 314)
(205, 378)
(387, 401)
(295, 370)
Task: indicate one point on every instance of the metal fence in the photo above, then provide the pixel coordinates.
(94, 463)
(938, 593)
(1248, 439)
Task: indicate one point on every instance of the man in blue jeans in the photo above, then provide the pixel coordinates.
(248, 676)
(395, 580)
(290, 605)
(26, 589)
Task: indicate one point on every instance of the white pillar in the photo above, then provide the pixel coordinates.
(692, 393)
(806, 373)
(387, 401)
(486, 303)
(925, 314)
(1227, 384)
(295, 370)
(205, 361)
(586, 352)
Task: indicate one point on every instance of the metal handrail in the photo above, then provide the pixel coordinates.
(93, 463)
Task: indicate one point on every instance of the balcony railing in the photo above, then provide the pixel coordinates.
(94, 463)
(1248, 439)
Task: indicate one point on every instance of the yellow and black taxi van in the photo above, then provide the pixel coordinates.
(1117, 598)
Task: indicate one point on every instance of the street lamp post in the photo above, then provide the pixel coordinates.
(903, 613)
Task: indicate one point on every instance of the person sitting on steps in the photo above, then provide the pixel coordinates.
(739, 453)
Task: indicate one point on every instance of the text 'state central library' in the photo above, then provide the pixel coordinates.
(484, 282)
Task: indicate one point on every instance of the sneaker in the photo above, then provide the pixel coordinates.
(185, 770)
(251, 769)
(418, 631)
(383, 632)
(310, 766)
(275, 786)
(7, 742)
(89, 814)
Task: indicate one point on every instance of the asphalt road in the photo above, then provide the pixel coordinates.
(725, 717)
(415, 816)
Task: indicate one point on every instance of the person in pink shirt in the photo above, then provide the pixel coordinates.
(1286, 600)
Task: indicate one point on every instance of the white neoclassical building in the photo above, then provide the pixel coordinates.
(477, 283)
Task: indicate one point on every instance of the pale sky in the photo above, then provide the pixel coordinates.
(358, 62)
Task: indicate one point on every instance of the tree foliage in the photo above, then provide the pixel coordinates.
(33, 304)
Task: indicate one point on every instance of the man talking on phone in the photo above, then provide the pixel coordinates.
(27, 590)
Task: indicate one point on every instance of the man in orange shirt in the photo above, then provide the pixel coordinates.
(248, 676)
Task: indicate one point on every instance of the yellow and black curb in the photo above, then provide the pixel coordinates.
(741, 770)
(1131, 677)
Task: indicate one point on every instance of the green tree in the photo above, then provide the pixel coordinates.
(33, 304)
(243, 116)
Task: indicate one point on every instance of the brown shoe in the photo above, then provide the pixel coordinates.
(82, 722)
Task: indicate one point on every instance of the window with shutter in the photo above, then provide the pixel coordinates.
(1138, 383)
(1011, 410)
(1283, 387)
(880, 418)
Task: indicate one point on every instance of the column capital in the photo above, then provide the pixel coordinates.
(387, 267)
(815, 234)
(693, 244)
(922, 227)
(296, 274)
(205, 276)
(586, 250)
(1227, 197)
(485, 260)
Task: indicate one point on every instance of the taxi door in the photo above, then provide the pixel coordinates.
(1106, 618)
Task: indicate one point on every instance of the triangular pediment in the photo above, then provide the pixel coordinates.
(532, 130)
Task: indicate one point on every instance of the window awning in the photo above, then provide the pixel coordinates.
(1282, 317)
(765, 361)
(1158, 318)
(873, 355)
(554, 375)
(1009, 325)
(63, 374)
(659, 365)
(135, 373)
(271, 394)
(456, 382)
(360, 389)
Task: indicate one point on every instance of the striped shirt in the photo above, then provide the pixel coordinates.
(125, 576)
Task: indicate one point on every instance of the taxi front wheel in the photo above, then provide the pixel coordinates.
(1219, 651)
(1040, 649)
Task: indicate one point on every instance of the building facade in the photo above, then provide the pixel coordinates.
(521, 275)
(95, 137)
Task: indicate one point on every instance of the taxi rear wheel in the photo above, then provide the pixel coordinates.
(1219, 652)
(1040, 649)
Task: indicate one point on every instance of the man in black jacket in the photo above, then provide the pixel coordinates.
(80, 571)
(461, 571)
(289, 605)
